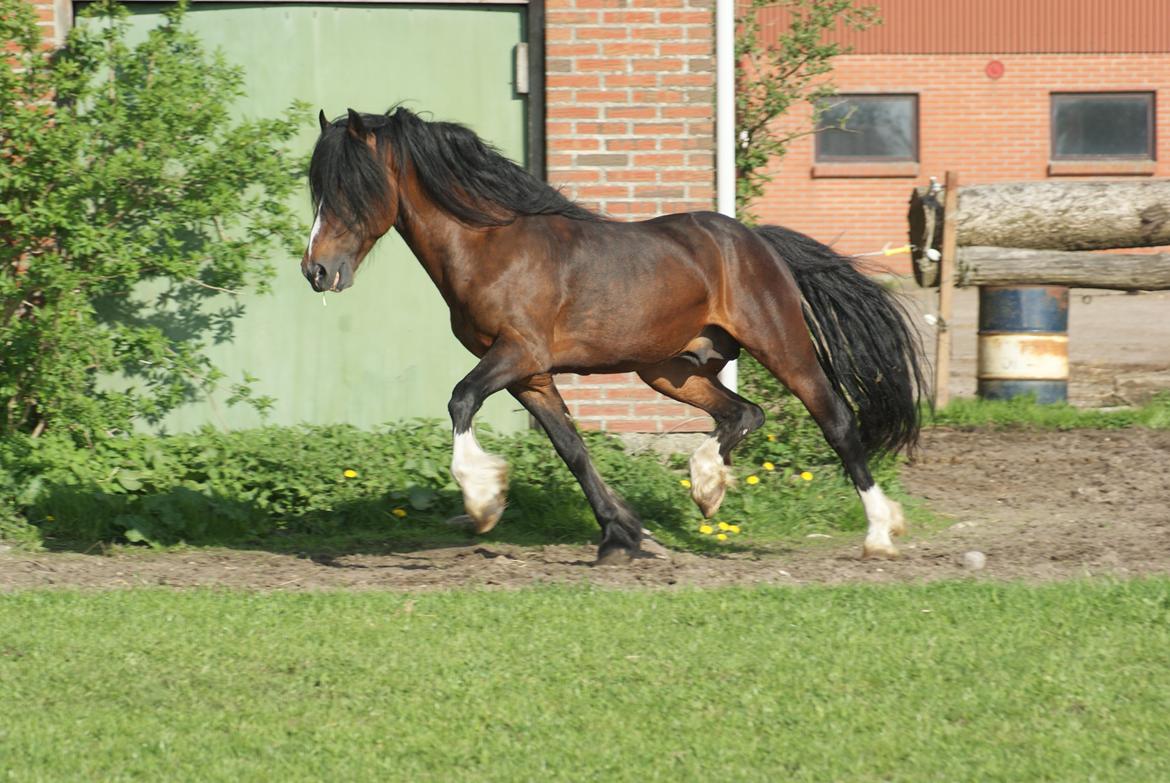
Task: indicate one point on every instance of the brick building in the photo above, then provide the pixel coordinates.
(998, 90)
(995, 89)
(630, 91)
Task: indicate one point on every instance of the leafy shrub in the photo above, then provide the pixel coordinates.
(121, 165)
(790, 436)
(309, 486)
(773, 74)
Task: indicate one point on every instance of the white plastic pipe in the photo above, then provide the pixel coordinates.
(725, 131)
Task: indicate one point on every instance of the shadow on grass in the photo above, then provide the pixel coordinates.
(337, 490)
(405, 519)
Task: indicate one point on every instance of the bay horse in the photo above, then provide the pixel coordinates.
(538, 285)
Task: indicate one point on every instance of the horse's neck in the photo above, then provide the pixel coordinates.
(437, 240)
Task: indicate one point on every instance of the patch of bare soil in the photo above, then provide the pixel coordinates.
(1039, 505)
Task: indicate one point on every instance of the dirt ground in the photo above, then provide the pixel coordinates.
(1038, 506)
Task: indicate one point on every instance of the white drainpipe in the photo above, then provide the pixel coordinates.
(725, 130)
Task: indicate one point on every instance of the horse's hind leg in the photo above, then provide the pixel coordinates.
(734, 417)
(621, 529)
(781, 343)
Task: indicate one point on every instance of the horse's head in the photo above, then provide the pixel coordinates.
(355, 199)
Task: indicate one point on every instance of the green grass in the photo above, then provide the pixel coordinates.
(949, 682)
(970, 413)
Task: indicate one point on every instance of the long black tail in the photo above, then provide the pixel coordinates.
(862, 337)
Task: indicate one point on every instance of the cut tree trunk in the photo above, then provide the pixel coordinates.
(1068, 215)
(1016, 266)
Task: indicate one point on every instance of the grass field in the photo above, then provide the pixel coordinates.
(947, 682)
(969, 413)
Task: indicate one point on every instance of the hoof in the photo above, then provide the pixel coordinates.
(710, 500)
(885, 519)
(468, 524)
(485, 517)
(483, 478)
(486, 500)
(619, 546)
(485, 496)
(461, 522)
(873, 551)
(710, 478)
(614, 556)
(621, 537)
(651, 548)
(897, 519)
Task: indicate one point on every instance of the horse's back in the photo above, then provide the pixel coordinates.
(694, 255)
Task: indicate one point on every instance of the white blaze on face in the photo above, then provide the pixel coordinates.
(316, 230)
(483, 477)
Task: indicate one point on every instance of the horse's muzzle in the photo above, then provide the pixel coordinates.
(322, 278)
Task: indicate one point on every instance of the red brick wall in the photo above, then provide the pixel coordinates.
(54, 18)
(987, 129)
(631, 112)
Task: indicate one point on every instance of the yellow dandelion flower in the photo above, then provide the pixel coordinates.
(806, 476)
(752, 479)
(733, 528)
(350, 473)
(706, 530)
(771, 437)
(722, 536)
(769, 466)
(686, 483)
(724, 526)
(399, 512)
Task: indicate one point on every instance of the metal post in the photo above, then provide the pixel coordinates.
(725, 131)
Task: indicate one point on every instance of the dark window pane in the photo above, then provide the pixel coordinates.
(1104, 125)
(879, 127)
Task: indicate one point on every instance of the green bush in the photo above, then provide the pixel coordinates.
(337, 486)
(121, 165)
(777, 69)
(789, 437)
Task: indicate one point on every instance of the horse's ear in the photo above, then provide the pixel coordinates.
(356, 127)
(324, 122)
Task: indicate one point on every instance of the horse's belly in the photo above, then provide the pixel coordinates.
(621, 342)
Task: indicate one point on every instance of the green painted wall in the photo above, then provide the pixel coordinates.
(383, 349)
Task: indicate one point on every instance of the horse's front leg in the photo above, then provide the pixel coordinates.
(483, 477)
(621, 530)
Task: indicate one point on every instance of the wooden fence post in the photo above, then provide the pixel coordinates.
(946, 293)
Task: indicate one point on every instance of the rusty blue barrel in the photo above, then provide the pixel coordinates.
(1023, 342)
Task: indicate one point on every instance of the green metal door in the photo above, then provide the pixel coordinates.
(382, 350)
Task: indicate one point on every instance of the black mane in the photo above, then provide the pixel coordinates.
(461, 173)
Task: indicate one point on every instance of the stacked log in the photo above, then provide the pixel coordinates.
(1039, 232)
(1016, 266)
(1028, 242)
